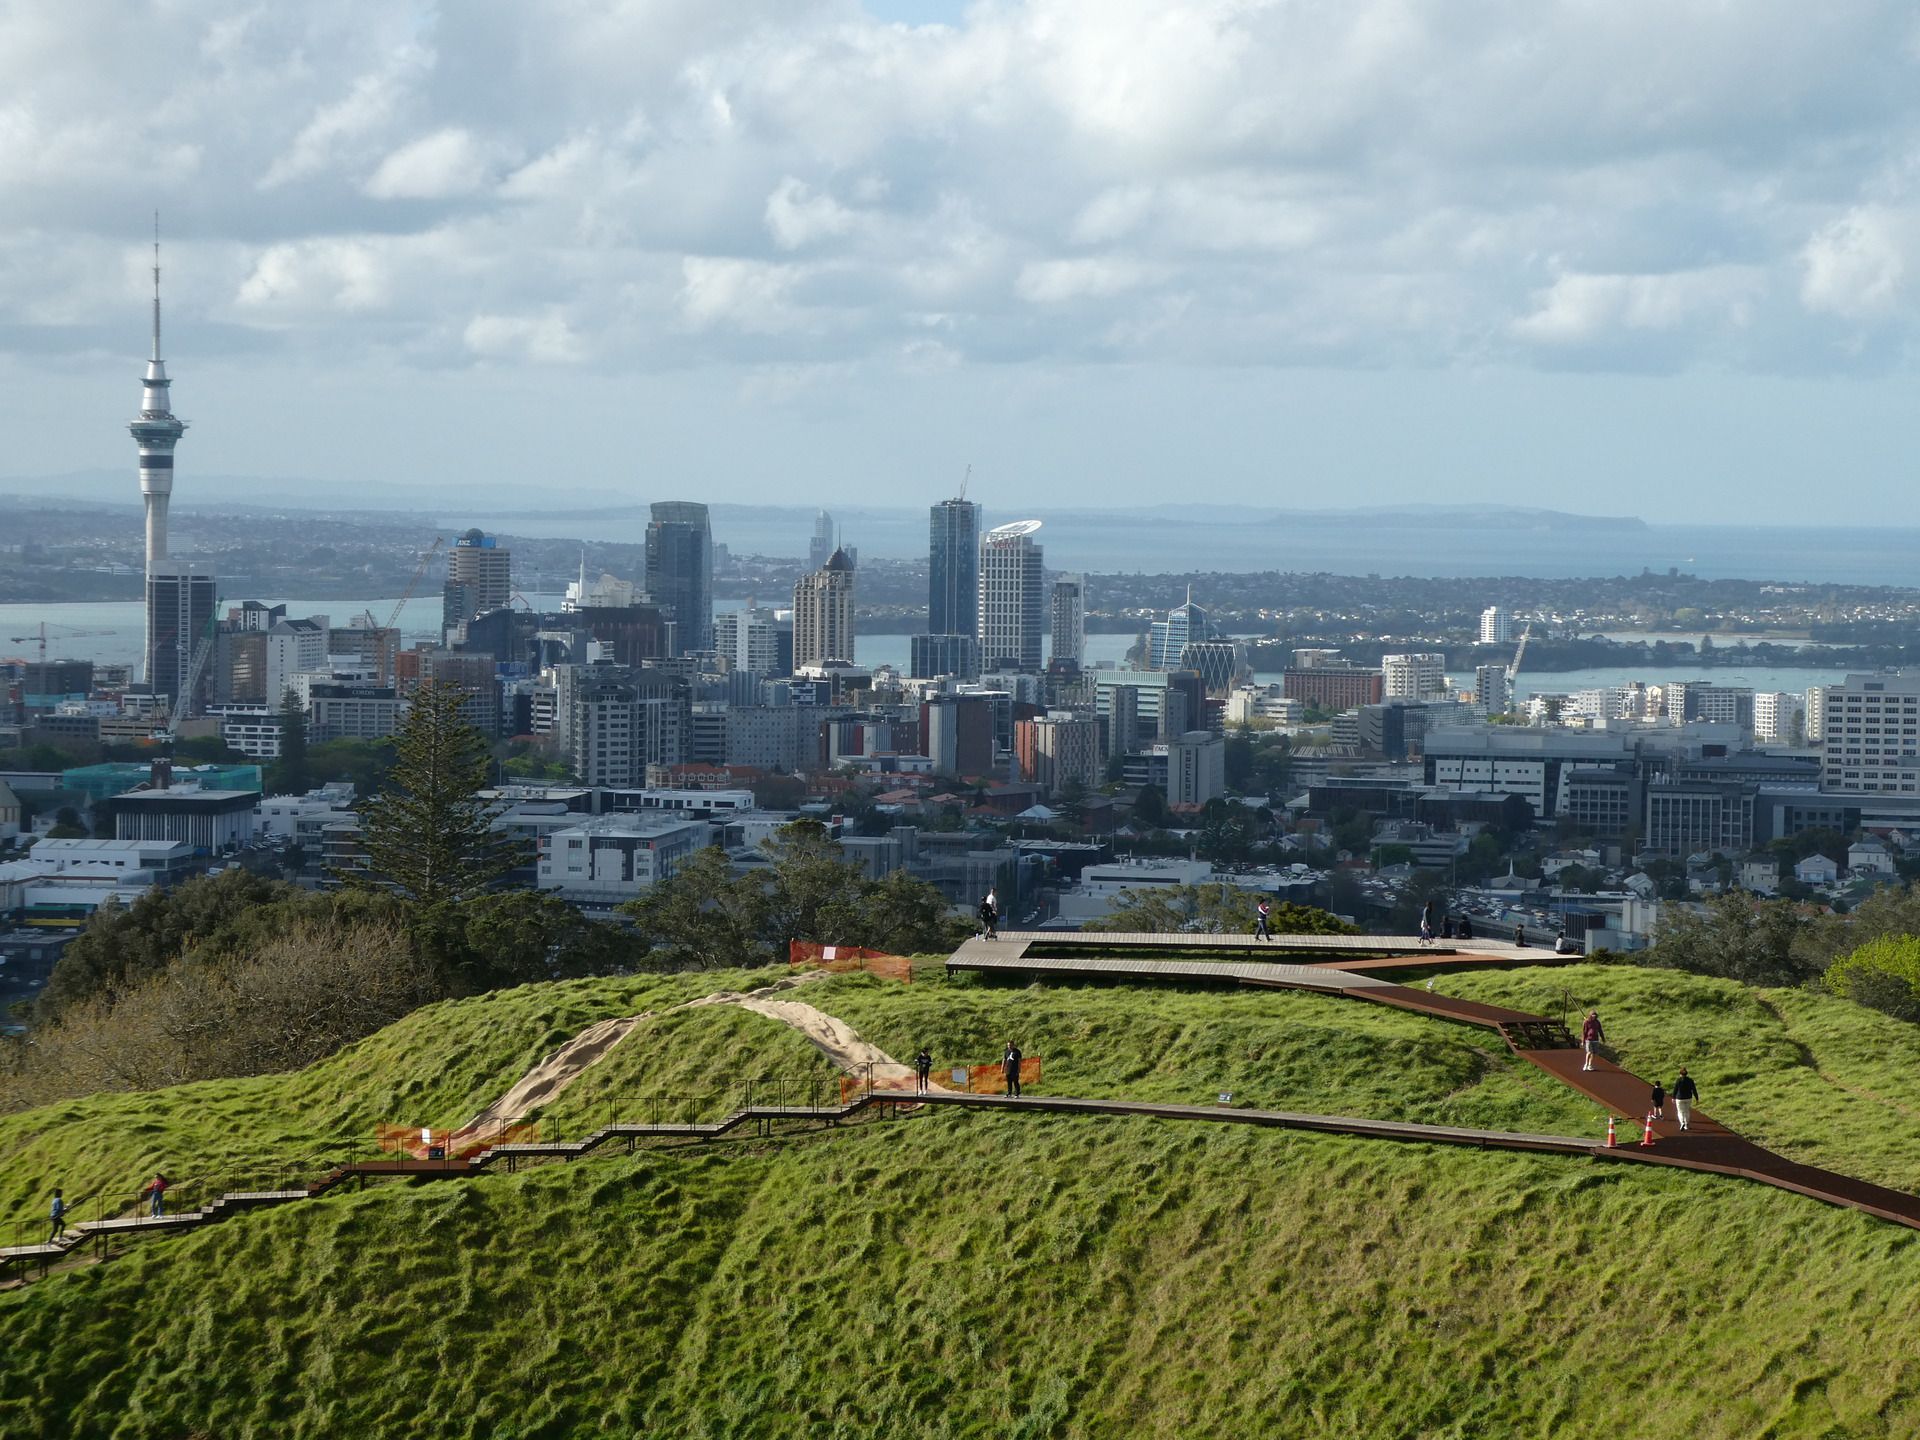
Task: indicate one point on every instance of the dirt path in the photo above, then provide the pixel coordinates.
(540, 1085)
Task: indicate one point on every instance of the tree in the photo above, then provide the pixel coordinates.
(292, 776)
(1150, 806)
(1738, 938)
(1240, 759)
(428, 834)
(1212, 909)
(1883, 974)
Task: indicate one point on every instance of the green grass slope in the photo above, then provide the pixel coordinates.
(986, 1275)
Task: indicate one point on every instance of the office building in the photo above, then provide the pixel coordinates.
(1871, 734)
(615, 722)
(680, 571)
(1492, 687)
(823, 615)
(1330, 687)
(293, 647)
(1816, 714)
(211, 821)
(1013, 599)
(1167, 639)
(957, 732)
(1069, 619)
(1217, 662)
(476, 676)
(601, 862)
(340, 711)
(1196, 768)
(1415, 678)
(479, 581)
(1496, 626)
(931, 656)
(953, 568)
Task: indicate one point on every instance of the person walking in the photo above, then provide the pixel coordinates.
(1685, 1092)
(58, 1214)
(1426, 924)
(1262, 925)
(922, 1068)
(1590, 1035)
(1010, 1062)
(157, 1188)
(989, 917)
(1659, 1101)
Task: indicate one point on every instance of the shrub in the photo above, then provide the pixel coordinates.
(1883, 974)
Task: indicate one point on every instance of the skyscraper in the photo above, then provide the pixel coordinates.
(1168, 639)
(680, 571)
(1013, 597)
(823, 614)
(1069, 618)
(179, 603)
(479, 580)
(820, 547)
(953, 568)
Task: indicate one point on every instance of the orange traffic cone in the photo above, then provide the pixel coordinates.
(1611, 1142)
(1646, 1135)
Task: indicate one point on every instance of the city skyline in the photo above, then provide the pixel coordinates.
(1176, 238)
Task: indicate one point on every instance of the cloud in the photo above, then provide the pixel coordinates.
(439, 166)
(1855, 266)
(795, 183)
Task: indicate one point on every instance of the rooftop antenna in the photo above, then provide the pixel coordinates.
(963, 479)
(156, 284)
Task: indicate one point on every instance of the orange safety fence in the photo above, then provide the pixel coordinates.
(418, 1142)
(968, 1079)
(850, 957)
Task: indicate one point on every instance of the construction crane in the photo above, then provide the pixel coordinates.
(202, 651)
(418, 570)
(65, 632)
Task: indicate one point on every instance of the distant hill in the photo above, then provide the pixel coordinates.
(959, 1274)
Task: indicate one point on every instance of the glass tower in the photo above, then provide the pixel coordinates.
(953, 568)
(680, 571)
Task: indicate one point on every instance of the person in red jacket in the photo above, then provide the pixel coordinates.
(1590, 1035)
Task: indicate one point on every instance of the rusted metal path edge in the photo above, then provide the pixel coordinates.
(892, 1100)
(1706, 1146)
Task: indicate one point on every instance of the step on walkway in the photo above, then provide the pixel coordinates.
(1541, 1040)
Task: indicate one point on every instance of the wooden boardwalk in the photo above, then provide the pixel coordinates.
(1539, 1040)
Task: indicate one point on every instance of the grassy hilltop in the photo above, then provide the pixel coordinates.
(977, 1274)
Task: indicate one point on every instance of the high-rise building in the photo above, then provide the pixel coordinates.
(823, 614)
(616, 721)
(753, 641)
(1492, 689)
(1871, 734)
(1069, 618)
(479, 581)
(953, 568)
(1496, 626)
(1414, 677)
(1013, 599)
(1057, 748)
(680, 571)
(1168, 639)
(1816, 714)
(179, 604)
(1778, 716)
(820, 547)
(1196, 768)
(930, 656)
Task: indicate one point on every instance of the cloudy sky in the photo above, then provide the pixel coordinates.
(1617, 257)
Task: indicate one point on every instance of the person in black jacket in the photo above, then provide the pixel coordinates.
(1011, 1063)
(1658, 1103)
(1685, 1092)
(989, 917)
(922, 1068)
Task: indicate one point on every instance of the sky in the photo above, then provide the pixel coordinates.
(1617, 258)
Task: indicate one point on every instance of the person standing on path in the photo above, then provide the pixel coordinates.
(1262, 928)
(58, 1214)
(1590, 1035)
(158, 1190)
(1659, 1101)
(922, 1068)
(1685, 1092)
(1011, 1065)
(1426, 924)
(989, 917)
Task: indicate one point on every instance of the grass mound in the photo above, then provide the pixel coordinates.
(984, 1275)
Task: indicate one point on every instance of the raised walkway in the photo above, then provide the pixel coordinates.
(1540, 1040)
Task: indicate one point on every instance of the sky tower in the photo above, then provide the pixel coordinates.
(156, 431)
(179, 603)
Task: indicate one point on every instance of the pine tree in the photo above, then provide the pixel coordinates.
(427, 833)
(291, 775)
